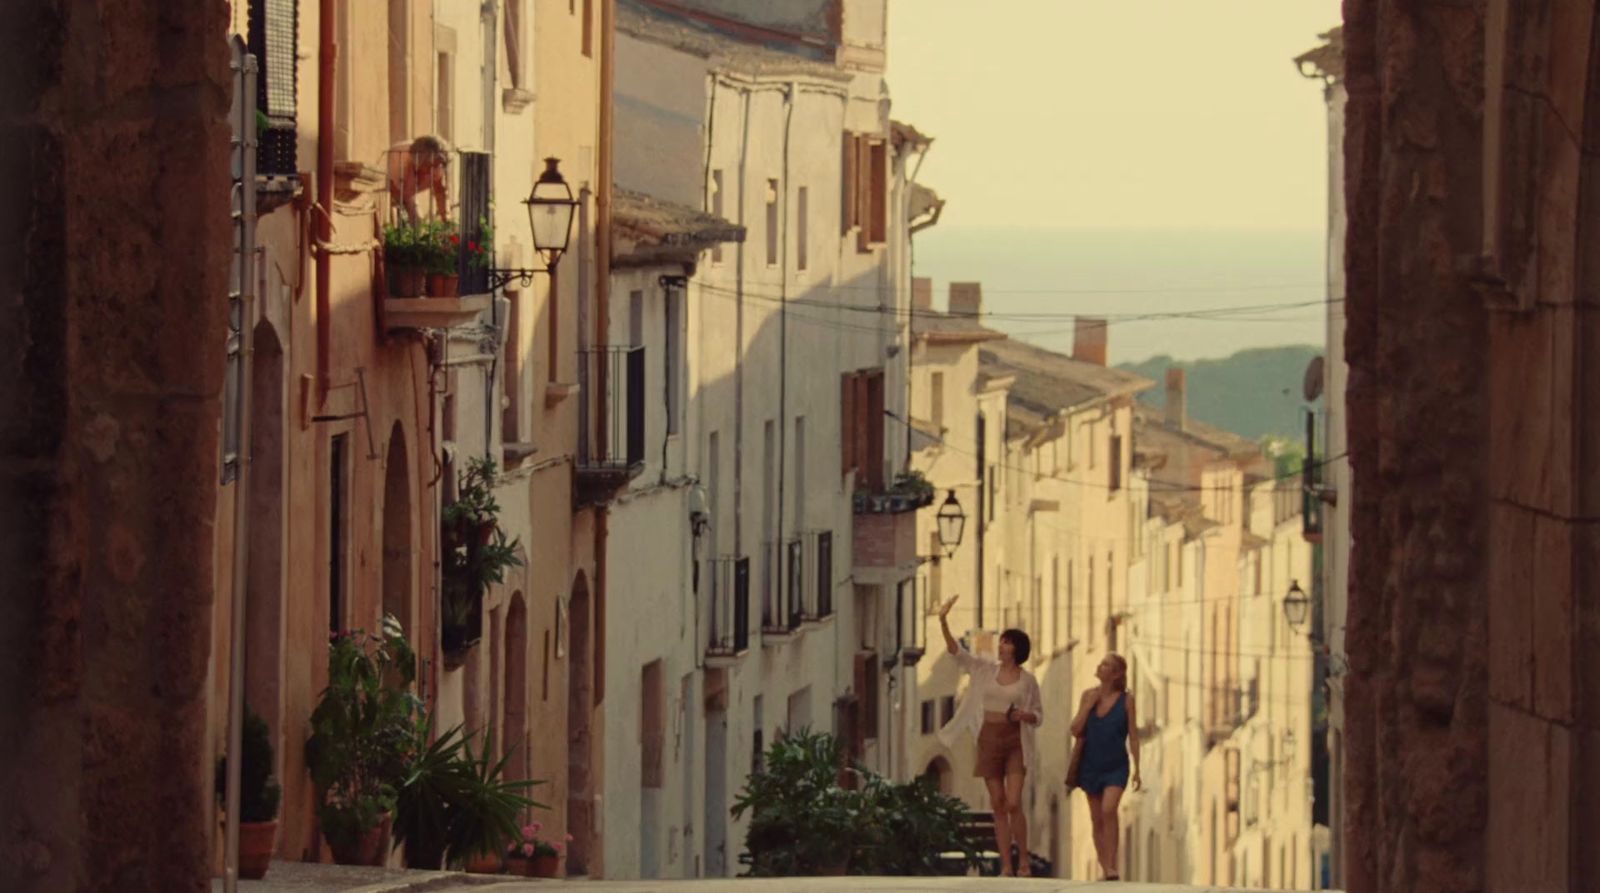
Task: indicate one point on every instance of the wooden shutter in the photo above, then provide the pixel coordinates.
(877, 223)
(858, 432)
(869, 695)
(872, 458)
(863, 211)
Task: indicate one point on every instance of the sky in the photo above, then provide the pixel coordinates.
(1116, 113)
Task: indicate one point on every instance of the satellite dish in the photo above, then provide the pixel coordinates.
(1312, 386)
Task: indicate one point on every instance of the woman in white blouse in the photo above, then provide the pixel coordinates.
(1001, 709)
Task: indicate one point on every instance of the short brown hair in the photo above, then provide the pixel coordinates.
(430, 145)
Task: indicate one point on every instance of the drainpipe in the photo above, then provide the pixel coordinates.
(491, 72)
(783, 340)
(327, 54)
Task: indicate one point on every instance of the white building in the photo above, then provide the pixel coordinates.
(792, 357)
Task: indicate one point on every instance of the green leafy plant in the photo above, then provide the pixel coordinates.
(263, 124)
(476, 552)
(404, 245)
(804, 823)
(363, 731)
(914, 484)
(259, 792)
(455, 803)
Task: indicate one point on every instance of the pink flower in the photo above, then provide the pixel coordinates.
(557, 846)
(569, 838)
(529, 830)
(527, 849)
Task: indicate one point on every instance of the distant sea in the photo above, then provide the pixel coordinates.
(1256, 288)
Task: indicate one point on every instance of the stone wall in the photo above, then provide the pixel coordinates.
(115, 139)
(1470, 418)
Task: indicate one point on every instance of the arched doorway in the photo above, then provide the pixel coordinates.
(397, 588)
(580, 701)
(263, 645)
(515, 740)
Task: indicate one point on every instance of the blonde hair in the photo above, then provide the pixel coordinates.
(1122, 670)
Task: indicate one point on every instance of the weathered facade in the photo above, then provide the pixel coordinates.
(1472, 708)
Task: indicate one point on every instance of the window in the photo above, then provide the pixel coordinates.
(274, 40)
(716, 211)
(514, 40)
(400, 69)
(947, 709)
(865, 189)
(861, 427)
(674, 354)
(652, 725)
(444, 96)
(928, 727)
(801, 214)
(936, 403)
(799, 473)
(772, 223)
(338, 505)
(1116, 462)
(635, 318)
(588, 28)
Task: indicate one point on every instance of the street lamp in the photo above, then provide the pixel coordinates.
(951, 522)
(550, 211)
(1295, 605)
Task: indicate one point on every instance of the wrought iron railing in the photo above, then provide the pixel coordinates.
(816, 594)
(611, 408)
(777, 612)
(730, 607)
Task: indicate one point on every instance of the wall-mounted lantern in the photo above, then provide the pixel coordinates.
(550, 211)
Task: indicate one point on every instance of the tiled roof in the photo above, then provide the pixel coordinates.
(935, 325)
(698, 38)
(1048, 382)
(646, 230)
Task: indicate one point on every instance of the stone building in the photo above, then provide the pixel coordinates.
(1472, 706)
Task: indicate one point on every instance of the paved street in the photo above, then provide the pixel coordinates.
(294, 877)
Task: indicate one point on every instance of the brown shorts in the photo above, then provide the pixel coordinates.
(999, 750)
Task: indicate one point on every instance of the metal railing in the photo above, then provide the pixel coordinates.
(780, 609)
(730, 607)
(611, 408)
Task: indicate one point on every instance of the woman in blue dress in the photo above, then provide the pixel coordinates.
(1105, 716)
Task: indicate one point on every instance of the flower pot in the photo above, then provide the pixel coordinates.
(256, 841)
(444, 285)
(546, 865)
(368, 849)
(521, 866)
(407, 282)
(484, 863)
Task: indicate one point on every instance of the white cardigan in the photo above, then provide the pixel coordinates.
(969, 715)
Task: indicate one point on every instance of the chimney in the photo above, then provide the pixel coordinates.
(1089, 340)
(921, 293)
(1177, 387)
(966, 299)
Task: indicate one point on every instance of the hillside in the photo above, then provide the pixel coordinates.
(1254, 392)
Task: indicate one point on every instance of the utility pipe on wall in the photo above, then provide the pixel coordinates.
(327, 54)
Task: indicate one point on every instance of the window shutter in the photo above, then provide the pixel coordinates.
(872, 460)
(858, 422)
(878, 193)
(863, 209)
(847, 183)
(869, 695)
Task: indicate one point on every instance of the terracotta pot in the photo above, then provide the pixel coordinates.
(484, 863)
(370, 849)
(441, 285)
(520, 866)
(407, 282)
(256, 841)
(546, 865)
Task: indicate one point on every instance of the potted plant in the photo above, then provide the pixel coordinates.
(454, 804)
(442, 257)
(476, 554)
(258, 796)
(404, 258)
(363, 734)
(533, 856)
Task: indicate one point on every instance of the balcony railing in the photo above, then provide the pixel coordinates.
(610, 420)
(730, 608)
(816, 601)
(780, 608)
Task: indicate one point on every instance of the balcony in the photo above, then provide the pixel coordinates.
(610, 421)
(435, 262)
(780, 608)
(816, 553)
(730, 611)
